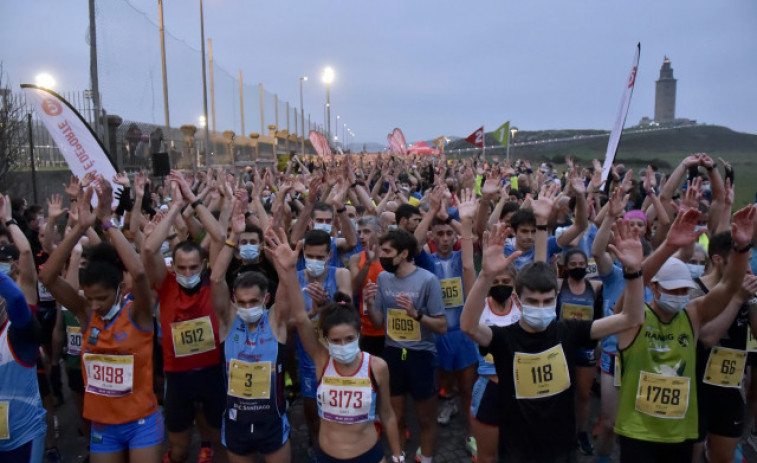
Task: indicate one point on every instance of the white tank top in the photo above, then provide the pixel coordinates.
(490, 318)
(347, 399)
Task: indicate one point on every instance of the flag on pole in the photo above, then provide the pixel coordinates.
(477, 137)
(399, 137)
(80, 147)
(440, 142)
(503, 133)
(617, 129)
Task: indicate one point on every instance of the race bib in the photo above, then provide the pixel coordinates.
(109, 375)
(4, 429)
(725, 367)
(402, 327)
(489, 358)
(452, 292)
(751, 341)
(250, 380)
(192, 337)
(618, 372)
(345, 400)
(663, 396)
(73, 340)
(540, 375)
(577, 312)
(591, 268)
(44, 294)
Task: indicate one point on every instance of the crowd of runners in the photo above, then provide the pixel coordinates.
(204, 303)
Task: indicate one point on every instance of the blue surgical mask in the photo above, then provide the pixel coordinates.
(315, 267)
(538, 318)
(671, 303)
(344, 353)
(190, 281)
(114, 309)
(323, 226)
(249, 252)
(250, 315)
(391, 226)
(696, 270)
(5, 267)
(165, 248)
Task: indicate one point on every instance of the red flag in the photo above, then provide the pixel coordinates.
(477, 137)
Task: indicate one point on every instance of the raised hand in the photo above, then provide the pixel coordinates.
(494, 260)
(490, 188)
(104, 199)
(122, 179)
(5, 208)
(278, 249)
(682, 231)
(617, 203)
(184, 190)
(54, 206)
(692, 195)
(140, 180)
(406, 303)
(467, 205)
(73, 188)
(86, 218)
(626, 245)
(627, 184)
(742, 226)
(748, 287)
(542, 207)
(576, 183)
(89, 178)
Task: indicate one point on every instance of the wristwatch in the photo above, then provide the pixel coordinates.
(399, 459)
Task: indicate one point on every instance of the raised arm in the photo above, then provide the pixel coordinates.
(467, 210)
(212, 226)
(613, 210)
(542, 208)
(219, 287)
(712, 331)
(300, 227)
(577, 189)
(27, 276)
(152, 258)
(435, 204)
(681, 234)
(494, 263)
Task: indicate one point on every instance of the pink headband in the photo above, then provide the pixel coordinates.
(636, 214)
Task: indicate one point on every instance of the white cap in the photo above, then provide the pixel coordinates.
(674, 275)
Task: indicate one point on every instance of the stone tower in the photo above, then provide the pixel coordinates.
(665, 94)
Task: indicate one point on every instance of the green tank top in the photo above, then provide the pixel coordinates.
(658, 392)
(72, 340)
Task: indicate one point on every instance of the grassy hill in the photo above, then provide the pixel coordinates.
(665, 148)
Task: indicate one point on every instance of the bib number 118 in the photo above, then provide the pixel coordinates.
(542, 374)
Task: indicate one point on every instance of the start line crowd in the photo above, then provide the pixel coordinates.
(361, 281)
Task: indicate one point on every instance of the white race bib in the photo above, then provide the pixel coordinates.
(109, 375)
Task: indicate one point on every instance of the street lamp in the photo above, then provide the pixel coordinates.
(328, 77)
(45, 80)
(512, 133)
(302, 114)
(203, 121)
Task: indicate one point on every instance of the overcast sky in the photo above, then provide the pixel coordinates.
(428, 67)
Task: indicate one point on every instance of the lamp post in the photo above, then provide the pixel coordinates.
(511, 135)
(344, 135)
(328, 77)
(204, 87)
(302, 115)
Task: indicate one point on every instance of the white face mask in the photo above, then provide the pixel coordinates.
(696, 270)
(5, 267)
(672, 303)
(165, 248)
(538, 318)
(344, 353)
(315, 267)
(114, 308)
(190, 281)
(252, 314)
(323, 226)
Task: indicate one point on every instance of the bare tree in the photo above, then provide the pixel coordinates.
(13, 132)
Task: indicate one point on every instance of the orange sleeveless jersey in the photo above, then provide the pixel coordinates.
(117, 370)
(365, 319)
(176, 306)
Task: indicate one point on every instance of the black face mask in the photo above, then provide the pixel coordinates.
(577, 273)
(500, 293)
(387, 263)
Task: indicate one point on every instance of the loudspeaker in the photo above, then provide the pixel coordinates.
(161, 165)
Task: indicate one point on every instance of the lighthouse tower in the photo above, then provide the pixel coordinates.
(665, 94)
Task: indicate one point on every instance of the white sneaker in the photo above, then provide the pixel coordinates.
(448, 410)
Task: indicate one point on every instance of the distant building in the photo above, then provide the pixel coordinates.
(665, 95)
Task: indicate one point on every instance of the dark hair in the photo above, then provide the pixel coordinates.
(522, 217)
(317, 238)
(250, 228)
(507, 208)
(517, 193)
(405, 211)
(251, 279)
(188, 246)
(436, 221)
(536, 276)
(401, 240)
(103, 267)
(340, 311)
(572, 252)
(721, 245)
(321, 206)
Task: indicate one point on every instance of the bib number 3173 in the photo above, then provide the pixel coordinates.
(540, 375)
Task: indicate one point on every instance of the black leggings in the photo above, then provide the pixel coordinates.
(635, 451)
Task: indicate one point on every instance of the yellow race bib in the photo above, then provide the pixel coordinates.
(4, 428)
(402, 327)
(577, 312)
(250, 380)
(725, 367)
(452, 292)
(192, 337)
(751, 341)
(540, 375)
(663, 396)
(489, 358)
